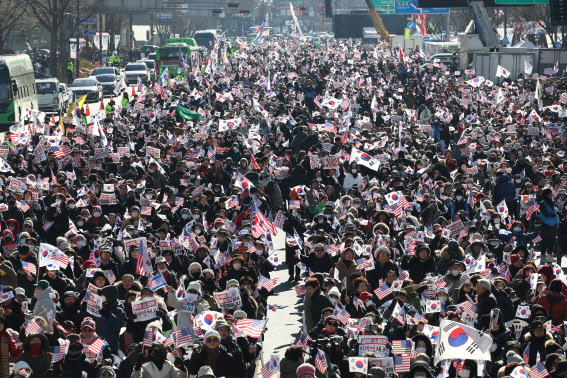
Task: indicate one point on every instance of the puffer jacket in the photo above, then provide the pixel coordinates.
(505, 190)
(344, 268)
(150, 370)
(41, 362)
(445, 257)
(418, 268)
(44, 303)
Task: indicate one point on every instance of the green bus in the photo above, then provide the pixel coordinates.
(17, 88)
(168, 57)
(188, 41)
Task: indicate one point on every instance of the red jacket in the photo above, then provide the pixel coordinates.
(557, 312)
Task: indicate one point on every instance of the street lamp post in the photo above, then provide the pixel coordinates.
(77, 48)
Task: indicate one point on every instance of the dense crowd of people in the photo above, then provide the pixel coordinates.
(424, 217)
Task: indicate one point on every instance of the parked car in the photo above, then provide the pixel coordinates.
(108, 82)
(134, 71)
(66, 95)
(89, 86)
(48, 95)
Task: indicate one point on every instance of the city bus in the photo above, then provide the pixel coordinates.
(168, 57)
(17, 88)
(206, 38)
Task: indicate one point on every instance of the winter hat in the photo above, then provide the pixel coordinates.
(106, 369)
(546, 270)
(212, 333)
(515, 257)
(305, 368)
(195, 286)
(88, 322)
(364, 296)
(512, 356)
(556, 286)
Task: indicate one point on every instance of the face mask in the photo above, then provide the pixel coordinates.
(328, 216)
(195, 216)
(35, 347)
(321, 221)
(80, 223)
(80, 243)
(192, 176)
(118, 249)
(459, 198)
(334, 300)
(382, 259)
(97, 214)
(8, 239)
(236, 266)
(294, 213)
(162, 270)
(319, 179)
(443, 299)
(72, 206)
(419, 375)
(134, 213)
(518, 181)
(198, 231)
(354, 170)
(11, 228)
(158, 356)
(196, 274)
(149, 196)
(517, 229)
(151, 170)
(235, 149)
(419, 350)
(185, 216)
(455, 272)
(464, 374)
(56, 201)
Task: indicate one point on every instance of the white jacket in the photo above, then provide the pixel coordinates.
(44, 303)
(184, 318)
(351, 181)
(150, 370)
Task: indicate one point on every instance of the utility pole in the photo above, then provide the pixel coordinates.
(77, 47)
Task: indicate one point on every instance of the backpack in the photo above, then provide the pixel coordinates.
(505, 303)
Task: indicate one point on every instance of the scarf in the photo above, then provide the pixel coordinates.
(89, 340)
(212, 357)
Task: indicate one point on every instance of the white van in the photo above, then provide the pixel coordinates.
(49, 95)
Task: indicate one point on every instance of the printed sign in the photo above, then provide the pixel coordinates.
(187, 303)
(145, 309)
(385, 363)
(229, 298)
(94, 304)
(371, 343)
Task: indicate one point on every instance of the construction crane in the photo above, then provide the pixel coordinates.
(377, 21)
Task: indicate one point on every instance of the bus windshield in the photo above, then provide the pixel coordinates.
(168, 54)
(4, 85)
(205, 39)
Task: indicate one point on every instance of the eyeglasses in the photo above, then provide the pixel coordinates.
(333, 324)
(212, 340)
(27, 226)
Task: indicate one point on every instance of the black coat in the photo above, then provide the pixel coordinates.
(418, 268)
(316, 264)
(379, 272)
(226, 365)
(486, 302)
(319, 301)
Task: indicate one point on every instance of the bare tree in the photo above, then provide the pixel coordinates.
(11, 11)
(58, 17)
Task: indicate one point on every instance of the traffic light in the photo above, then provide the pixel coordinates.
(147, 35)
(328, 8)
(301, 14)
(298, 8)
(318, 14)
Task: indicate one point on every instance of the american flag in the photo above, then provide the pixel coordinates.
(97, 346)
(343, 316)
(472, 200)
(169, 340)
(537, 239)
(440, 282)
(29, 267)
(232, 202)
(59, 352)
(231, 227)
(182, 336)
(24, 206)
(344, 139)
(255, 164)
(253, 328)
(110, 275)
(294, 204)
(198, 331)
(265, 372)
(61, 151)
(258, 222)
(157, 282)
(401, 346)
(300, 290)
(159, 89)
(179, 201)
(148, 338)
(402, 274)
(383, 291)
(32, 327)
(539, 371)
(505, 272)
(533, 207)
(268, 284)
(321, 361)
(303, 340)
(469, 308)
(211, 153)
(463, 139)
(402, 363)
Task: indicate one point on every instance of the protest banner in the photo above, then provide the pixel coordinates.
(145, 309)
(371, 343)
(229, 298)
(187, 303)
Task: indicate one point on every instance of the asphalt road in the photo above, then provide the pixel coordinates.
(285, 323)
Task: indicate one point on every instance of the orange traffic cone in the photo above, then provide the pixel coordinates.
(133, 92)
(101, 105)
(123, 94)
(87, 111)
(110, 97)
